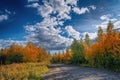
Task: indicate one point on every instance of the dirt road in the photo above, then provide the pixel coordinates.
(69, 72)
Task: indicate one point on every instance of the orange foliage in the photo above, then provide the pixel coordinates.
(62, 57)
(30, 53)
(110, 41)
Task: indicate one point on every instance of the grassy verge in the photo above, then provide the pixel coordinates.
(23, 71)
(114, 69)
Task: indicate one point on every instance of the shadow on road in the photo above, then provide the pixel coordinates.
(69, 72)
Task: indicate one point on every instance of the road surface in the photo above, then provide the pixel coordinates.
(69, 72)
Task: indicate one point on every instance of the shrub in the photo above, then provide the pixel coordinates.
(2, 58)
(17, 58)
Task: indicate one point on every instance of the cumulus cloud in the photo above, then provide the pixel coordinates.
(106, 19)
(91, 35)
(80, 11)
(72, 2)
(49, 38)
(47, 35)
(53, 7)
(3, 17)
(48, 32)
(83, 10)
(72, 32)
(8, 43)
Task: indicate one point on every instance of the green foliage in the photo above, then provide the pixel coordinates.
(104, 53)
(77, 49)
(110, 27)
(87, 40)
(108, 62)
(19, 54)
(17, 58)
(100, 34)
(2, 58)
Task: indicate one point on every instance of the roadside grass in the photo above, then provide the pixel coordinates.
(22, 71)
(114, 69)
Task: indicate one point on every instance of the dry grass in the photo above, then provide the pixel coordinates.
(23, 71)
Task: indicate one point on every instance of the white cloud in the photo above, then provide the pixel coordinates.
(103, 25)
(105, 17)
(53, 7)
(30, 28)
(3, 17)
(8, 43)
(45, 34)
(72, 32)
(93, 7)
(91, 35)
(34, 5)
(48, 32)
(72, 2)
(33, 1)
(45, 10)
(83, 10)
(7, 11)
(117, 24)
(80, 11)
(114, 19)
(119, 15)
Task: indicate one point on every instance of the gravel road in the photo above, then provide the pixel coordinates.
(69, 72)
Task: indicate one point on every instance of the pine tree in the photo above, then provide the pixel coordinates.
(87, 40)
(100, 34)
(110, 27)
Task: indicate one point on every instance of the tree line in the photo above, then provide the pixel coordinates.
(20, 54)
(103, 53)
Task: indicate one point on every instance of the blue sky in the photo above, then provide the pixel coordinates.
(54, 23)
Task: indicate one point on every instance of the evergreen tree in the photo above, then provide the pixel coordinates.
(110, 27)
(87, 40)
(77, 52)
(100, 34)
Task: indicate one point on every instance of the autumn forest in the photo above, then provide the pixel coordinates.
(104, 52)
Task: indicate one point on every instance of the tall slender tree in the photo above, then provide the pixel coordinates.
(100, 34)
(87, 40)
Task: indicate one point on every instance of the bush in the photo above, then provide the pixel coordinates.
(17, 58)
(23, 71)
(2, 58)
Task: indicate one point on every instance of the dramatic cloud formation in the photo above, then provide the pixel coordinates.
(48, 32)
(54, 24)
(46, 35)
